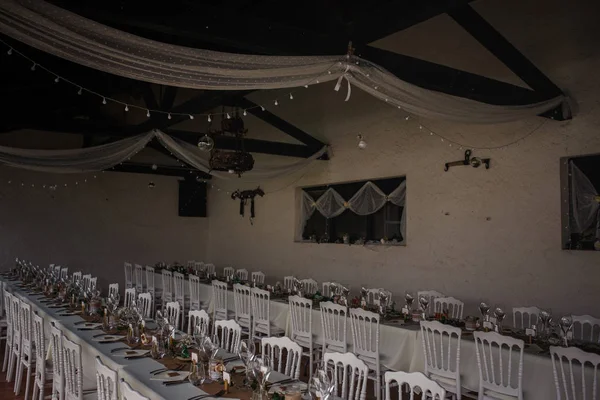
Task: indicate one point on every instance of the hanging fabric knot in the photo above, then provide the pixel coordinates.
(339, 83)
(313, 204)
(346, 205)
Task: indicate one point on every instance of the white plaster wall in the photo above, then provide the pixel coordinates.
(472, 233)
(96, 225)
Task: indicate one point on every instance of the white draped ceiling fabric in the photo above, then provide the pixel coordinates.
(584, 200)
(72, 37)
(367, 200)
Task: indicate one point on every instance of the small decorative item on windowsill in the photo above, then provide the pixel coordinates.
(346, 238)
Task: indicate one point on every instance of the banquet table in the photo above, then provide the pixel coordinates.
(401, 349)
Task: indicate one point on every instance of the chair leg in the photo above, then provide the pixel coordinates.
(27, 382)
(6, 357)
(19, 378)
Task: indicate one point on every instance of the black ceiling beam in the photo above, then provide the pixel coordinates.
(167, 170)
(501, 48)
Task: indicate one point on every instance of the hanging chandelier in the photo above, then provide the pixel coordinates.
(235, 161)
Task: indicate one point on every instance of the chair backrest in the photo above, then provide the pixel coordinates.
(127, 393)
(431, 295)
(350, 374)
(129, 297)
(76, 276)
(173, 309)
(106, 381)
(365, 333)
(570, 362)
(243, 304)
(219, 300)
(16, 319)
(453, 306)
(145, 304)
(586, 328)
(87, 279)
(288, 282)
(258, 277)
(242, 274)
(64, 273)
(228, 271)
(93, 284)
(139, 278)
(229, 335)
(326, 291)
(199, 267)
(179, 287)
(7, 308)
(416, 382)
(73, 370)
(150, 280)
(334, 324)
(40, 341)
(500, 360)
(128, 275)
(309, 286)
(194, 283)
(441, 348)
(280, 349)
(167, 286)
(198, 322)
(301, 316)
(113, 289)
(56, 271)
(26, 329)
(261, 309)
(191, 264)
(58, 382)
(525, 317)
(373, 296)
(210, 268)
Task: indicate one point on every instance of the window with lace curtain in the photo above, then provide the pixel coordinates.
(365, 212)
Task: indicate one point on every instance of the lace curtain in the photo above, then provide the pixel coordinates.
(367, 200)
(586, 208)
(72, 37)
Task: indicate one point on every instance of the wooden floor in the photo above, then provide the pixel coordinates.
(7, 389)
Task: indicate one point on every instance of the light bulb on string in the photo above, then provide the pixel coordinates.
(262, 108)
(228, 116)
(80, 91)
(361, 142)
(33, 67)
(209, 119)
(276, 103)
(291, 97)
(9, 52)
(57, 79)
(104, 100)
(169, 116)
(148, 113)
(306, 86)
(126, 107)
(191, 116)
(244, 113)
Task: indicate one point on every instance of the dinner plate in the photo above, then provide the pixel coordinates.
(90, 325)
(109, 338)
(131, 353)
(167, 376)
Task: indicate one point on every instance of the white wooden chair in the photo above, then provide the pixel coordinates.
(431, 295)
(228, 334)
(113, 289)
(310, 286)
(58, 374)
(350, 374)
(127, 393)
(145, 304)
(199, 323)
(261, 315)
(570, 362)
(525, 317)
(150, 288)
(210, 269)
(93, 284)
(586, 328)
(258, 278)
(167, 287)
(441, 348)
(57, 269)
(500, 358)
(76, 276)
(454, 307)
(191, 264)
(326, 291)
(242, 300)
(64, 273)
(278, 349)
(334, 324)
(288, 282)
(15, 354)
(129, 297)
(415, 383)
(365, 339)
(173, 312)
(220, 296)
(87, 280)
(301, 318)
(194, 284)
(242, 274)
(106, 381)
(9, 328)
(179, 292)
(128, 275)
(373, 296)
(228, 272)
(139, 278)
(199, 267)
(27, 355)
(41, 371)
(73, 371)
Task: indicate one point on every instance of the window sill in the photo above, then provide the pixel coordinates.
(368, 244)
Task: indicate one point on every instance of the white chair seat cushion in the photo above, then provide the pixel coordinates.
(263, 328)
(490, 394)
(305, 342)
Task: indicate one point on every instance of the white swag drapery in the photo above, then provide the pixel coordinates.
(70, 36)
(98, 158)
(367, 200)
(586, 208)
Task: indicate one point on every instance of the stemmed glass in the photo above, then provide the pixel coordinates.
(424, 302)
(499, 314)
(566, 325)
(323, 381)
(246, 354)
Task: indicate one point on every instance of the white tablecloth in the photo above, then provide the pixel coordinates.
(402, 350)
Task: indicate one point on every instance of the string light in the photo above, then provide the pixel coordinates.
(57, 79)
(104, 100)
(9, 52)
(291, 97)
(33, 67)
(276, 103)
(244, 113)
(148, 113)
(262, 108)
(228, 116)
(169, 116)
(126, 107)
(80, 91)
(209, 118)
(191, 116)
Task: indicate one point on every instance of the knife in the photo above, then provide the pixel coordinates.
(139, 356)
(171, 383)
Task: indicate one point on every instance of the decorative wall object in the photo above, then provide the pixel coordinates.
(245, 195)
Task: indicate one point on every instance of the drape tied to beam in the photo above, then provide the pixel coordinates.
(99, 158)
(70, 36)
